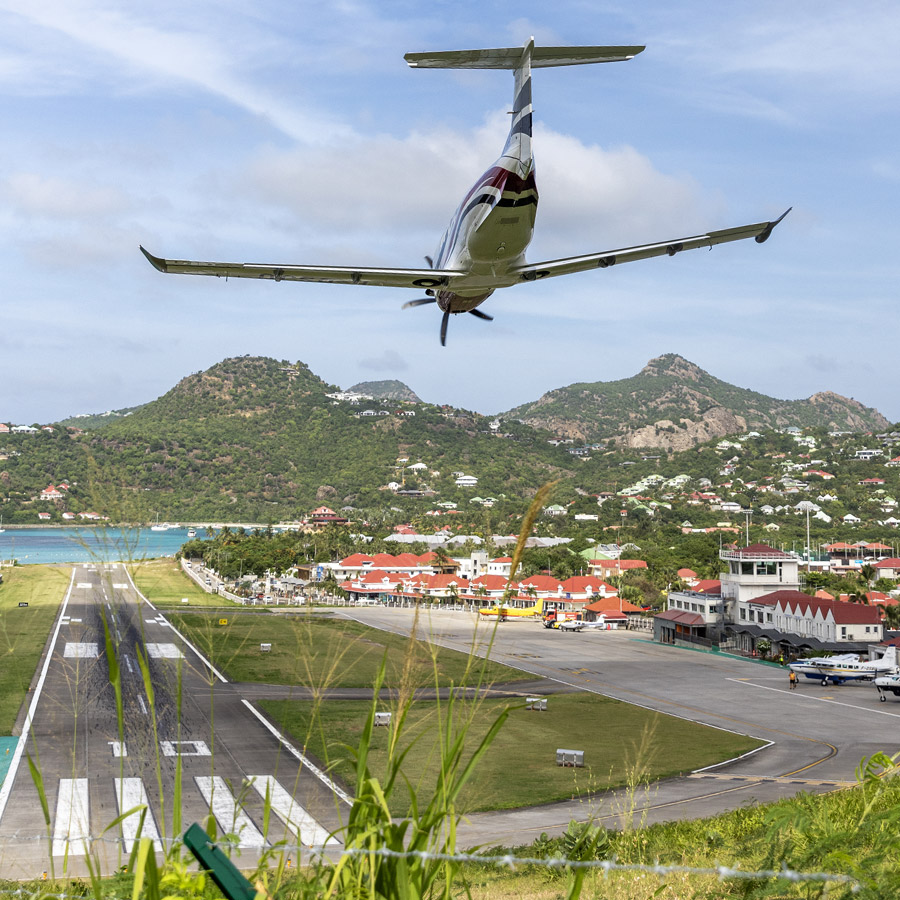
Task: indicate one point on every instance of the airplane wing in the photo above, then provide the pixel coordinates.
(536, 271)
(404, 278)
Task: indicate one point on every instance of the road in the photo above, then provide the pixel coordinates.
(818, 735)
(190, 719)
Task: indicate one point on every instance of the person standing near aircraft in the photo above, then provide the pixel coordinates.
(793, 679)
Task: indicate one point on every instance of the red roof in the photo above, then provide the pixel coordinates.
(582, 584)
(892, 562)
(612, 604)
(355, 559)
(708, 586)
(541, 583)
(686, 573)
(490, 582)
(843, 613)
(618, 564)
(502, 559)
(681, 616)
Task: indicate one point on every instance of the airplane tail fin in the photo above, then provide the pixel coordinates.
(890, 656)
(511, 57)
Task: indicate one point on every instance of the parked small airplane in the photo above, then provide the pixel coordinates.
(886, 683)
(483, 248)
(846, 667)
(514, 612)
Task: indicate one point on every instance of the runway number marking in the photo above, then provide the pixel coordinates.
(72, 819)
(81, 651)
(184, 748)
(164, 651)
(309, 832)
(130, 792)
(231, 818)
(118, 749)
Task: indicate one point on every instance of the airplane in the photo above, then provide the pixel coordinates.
(846, 667)
(886, 683)
(514, 612)
(483, 248)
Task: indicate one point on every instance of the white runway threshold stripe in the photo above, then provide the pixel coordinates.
(71, 829)
(231, 818)
(308, 831)
(130, 792)
(75, 650)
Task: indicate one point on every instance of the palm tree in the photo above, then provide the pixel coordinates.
(892, 616)
(868, 572)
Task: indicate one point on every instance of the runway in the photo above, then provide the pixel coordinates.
(817, 735)
(228, 758)
(181, 722)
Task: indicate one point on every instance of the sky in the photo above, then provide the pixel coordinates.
(294, 132)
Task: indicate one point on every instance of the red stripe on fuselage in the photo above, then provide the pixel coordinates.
(496, 177)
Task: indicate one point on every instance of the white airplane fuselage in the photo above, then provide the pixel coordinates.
(493, 225)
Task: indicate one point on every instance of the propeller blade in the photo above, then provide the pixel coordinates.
(481, 315)
(444, 322)
(430, 262)
(420, 302)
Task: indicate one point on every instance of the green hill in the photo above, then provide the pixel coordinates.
(386, 390)
(258, 439)
(673, 404)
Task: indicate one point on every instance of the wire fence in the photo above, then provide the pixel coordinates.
(502, 861)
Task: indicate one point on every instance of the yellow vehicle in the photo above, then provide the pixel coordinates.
(514, 612)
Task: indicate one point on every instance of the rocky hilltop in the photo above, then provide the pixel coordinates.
(674, 404)
(386, 390)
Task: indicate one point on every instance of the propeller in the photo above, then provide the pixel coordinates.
(481, 315)
(444, 322)
(420, 302)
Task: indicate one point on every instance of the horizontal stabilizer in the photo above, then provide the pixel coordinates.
(511, 57)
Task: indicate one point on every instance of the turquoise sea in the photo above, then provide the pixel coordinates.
(99, 544)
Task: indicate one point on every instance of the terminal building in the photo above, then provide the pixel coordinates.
(759, 605)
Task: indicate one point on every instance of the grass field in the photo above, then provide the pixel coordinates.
(315, 650)
(622, 745)
(164, 584)
(24, 631)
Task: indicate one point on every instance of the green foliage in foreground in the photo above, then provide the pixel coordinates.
(24, 630)
(321, 652)
(623, 745)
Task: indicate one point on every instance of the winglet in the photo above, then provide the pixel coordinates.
(763, 236)
(155, 261)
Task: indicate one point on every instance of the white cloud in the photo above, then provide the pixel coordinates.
(33, 194)
(389, 192)
(211, 64)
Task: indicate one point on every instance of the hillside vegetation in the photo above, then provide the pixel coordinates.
(674, 404)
